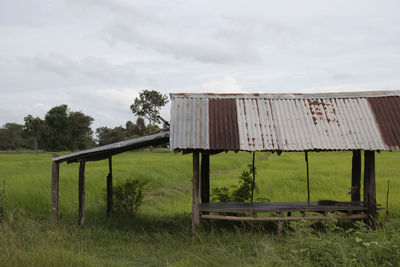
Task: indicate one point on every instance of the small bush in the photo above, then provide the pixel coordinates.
(239, 194)
(128, 196)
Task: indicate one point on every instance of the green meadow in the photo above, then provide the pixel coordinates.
(161, 233)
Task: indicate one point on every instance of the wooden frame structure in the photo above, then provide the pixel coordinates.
(352, 210)
(95, 154)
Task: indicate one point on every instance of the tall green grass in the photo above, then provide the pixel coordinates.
(161, 233)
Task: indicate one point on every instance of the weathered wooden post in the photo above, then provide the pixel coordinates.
(356, 176)
(370, 188)
(55, 175)
(205, 178)
(195, 196)
(81, 196)
(109, 188)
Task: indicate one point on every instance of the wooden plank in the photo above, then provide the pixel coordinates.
(370, 188)
(55, 177)
(292, 218)
(109, 188)
(258, 207)
(205, 178)
(356, 176)
(195, 195)
(81, 196)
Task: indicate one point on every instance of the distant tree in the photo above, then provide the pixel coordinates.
(148, 105)
(33, 131)
(80, 133)
(11, 136)
(135, 129)
(107, 135)
(57, 136)
(66, 130)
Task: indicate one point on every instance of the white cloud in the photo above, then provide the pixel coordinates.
(96, 55)
(227, 84)
(119, 97)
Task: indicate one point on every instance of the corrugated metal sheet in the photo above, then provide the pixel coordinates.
(387, 114)
(223, 124)
(103, 152)
(292, 122)
(189, 123)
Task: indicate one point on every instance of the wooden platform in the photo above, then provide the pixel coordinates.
(227, 211)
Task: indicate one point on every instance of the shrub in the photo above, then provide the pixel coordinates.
(239, 194)
(128, 196)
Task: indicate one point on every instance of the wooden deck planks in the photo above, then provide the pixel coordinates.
(292, 218)
(260, 207)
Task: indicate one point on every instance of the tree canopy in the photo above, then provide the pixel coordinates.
(148, 105)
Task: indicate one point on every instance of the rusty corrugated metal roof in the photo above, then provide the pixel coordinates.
(286, 122)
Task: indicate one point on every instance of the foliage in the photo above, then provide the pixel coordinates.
(66, 130)
(135, 129)
(11, 136)
(128, 196)
(107, 135)
(148, 105)
(62, 129)
(239, 194)
(33, 131)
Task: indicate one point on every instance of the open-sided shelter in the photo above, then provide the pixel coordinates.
(207, 124)
(99, 153)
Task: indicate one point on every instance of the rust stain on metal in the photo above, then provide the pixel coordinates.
(223, 125)
(387, 115)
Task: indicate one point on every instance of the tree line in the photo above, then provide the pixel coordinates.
(62, 129)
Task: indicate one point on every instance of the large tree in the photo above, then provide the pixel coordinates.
(148, 105)
(11, 136)
(67, 130)
(33, 131)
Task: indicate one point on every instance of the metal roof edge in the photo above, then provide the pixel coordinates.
(354, 94)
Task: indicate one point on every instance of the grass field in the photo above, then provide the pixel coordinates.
(161, 233)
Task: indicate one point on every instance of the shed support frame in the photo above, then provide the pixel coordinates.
(205, 178)
(55, 181)
(195, 194)
(109, 188)
(370, 188)
(356, 176)
(81, 196)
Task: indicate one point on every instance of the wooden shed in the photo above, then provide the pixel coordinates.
(206, 124)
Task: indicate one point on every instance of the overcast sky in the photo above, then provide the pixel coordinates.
(96, 55)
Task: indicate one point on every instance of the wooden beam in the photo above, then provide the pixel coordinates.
(370, 188)
(81, 196)
(55, 177)
(292, 218)
(109, 188)
(195, 195)
(356, 176)
(205, 178)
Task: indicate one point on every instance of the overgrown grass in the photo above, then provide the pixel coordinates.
(161, 233)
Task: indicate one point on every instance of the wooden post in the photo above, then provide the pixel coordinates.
(81, 220)
(308, 178)
(205, 178)
(356, 176)
(55, 175)
(195, 196)
(109, 188)
(369, 187)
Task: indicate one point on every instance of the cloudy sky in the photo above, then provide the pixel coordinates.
(96, 55)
